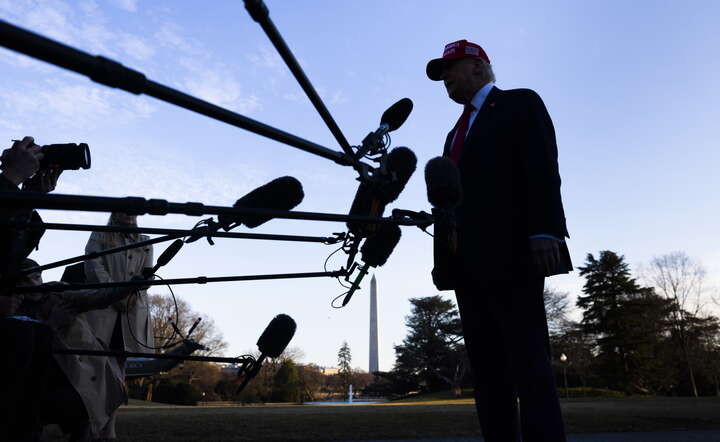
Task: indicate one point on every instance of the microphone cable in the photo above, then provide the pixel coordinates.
(168, 344)
(376, 156)
(344, 246)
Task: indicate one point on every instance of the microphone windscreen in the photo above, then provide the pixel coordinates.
(444, 188)
(282, 193)
(277, 336)
(366, 203)
(377, 249)
(169, 253)
(396, 114)
(402, 161)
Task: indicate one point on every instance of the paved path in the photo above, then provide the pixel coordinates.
(660, 436)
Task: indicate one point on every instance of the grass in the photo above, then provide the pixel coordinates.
(423, 418)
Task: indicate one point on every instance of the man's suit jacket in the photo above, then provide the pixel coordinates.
(511, 187)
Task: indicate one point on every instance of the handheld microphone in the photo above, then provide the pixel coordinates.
(167, 255)
(282, 193)
(272, 343)
(372, 197)
(391, 120)
(375, 252)
(444, 191)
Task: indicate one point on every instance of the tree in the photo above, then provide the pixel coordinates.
(572, 341)
(557, 305)
(163, 311)
(680, 280)
(431, 355)
(312, 380)
(286, 383)
(344, 367)
(628, 321)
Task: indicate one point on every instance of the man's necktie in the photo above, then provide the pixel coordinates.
(460, 133)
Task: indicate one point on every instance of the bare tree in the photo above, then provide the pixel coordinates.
(681, 280)
(163, 310)
(557, 306)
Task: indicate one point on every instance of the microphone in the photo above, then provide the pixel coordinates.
(282, 193)
(444, 188)
(272, 343)
(444, 192)
(375, 252)
(402, 162)
(167, 255)
(372, 197)
(277, 336)
(391, 120)
(395, 115)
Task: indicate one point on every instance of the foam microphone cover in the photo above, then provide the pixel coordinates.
(396, 114)
(170, 252)
(366, 203)
(444, 188)
(403, 162)
(277, 336)
(377, 249)
(282, 193)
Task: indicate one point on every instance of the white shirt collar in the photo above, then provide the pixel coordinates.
(481, 95)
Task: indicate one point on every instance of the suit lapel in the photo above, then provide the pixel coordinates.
(483, 121)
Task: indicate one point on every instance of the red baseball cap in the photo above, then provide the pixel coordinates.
(453, 51)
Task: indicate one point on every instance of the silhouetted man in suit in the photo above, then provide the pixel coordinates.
(511, 235)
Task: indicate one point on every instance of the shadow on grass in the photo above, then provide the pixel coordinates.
(432, 418)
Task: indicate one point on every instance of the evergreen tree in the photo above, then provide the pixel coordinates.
(431, 355)
(344, 367)
(628, 322)
(286, 383)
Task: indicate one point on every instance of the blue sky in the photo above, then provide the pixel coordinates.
(631, 87)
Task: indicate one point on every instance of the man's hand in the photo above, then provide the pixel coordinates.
(21, 161)
(43, 181)
(545, 255)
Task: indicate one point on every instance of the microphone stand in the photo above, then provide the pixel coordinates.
(113, 74)
(259, 12)
(52, 288)
(173, 235)
(127, 354)
(142, 206)
(177, 233)
(98, 254)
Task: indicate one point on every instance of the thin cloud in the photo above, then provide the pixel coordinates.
(338, 98)
(136, 47)
(266, 58)
(127, 5)
(170, 35)
(217, 86)
(60, 104)
(82, 25)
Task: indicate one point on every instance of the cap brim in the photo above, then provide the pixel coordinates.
(435, 68)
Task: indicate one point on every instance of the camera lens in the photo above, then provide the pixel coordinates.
(68, 156)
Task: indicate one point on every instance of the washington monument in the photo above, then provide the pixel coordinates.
(374, 363)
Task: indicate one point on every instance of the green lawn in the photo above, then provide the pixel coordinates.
(431, 418)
